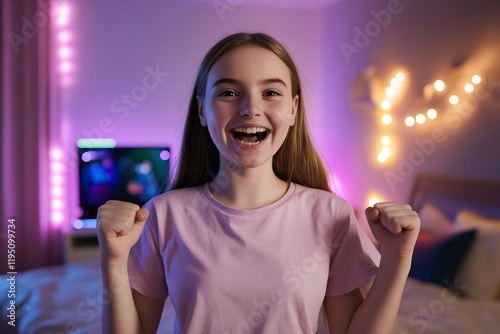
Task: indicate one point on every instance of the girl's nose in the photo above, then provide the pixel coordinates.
(250, 107)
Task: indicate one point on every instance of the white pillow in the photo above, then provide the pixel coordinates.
(480, 271)
(433, 220)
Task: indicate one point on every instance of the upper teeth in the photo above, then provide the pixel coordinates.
(250, 130)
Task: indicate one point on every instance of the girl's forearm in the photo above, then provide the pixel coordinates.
(119, 314)
(378, 312)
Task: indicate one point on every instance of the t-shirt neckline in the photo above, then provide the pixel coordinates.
(262, 210)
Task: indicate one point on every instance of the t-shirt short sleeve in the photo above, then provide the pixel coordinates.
(145, 263)
(355, 259)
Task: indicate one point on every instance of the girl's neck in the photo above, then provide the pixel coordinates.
(247, 188)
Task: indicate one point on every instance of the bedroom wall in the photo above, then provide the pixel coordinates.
(427, 40)
(117, 44)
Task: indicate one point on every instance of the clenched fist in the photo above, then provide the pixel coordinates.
(395, 226)
(119, 227)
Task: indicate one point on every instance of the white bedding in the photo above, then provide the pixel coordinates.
(61, 299)
(68, 299)
(430, 308)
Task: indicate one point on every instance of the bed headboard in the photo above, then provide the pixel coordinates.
(452, 194)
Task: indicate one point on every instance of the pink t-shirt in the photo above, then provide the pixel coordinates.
(266, 270)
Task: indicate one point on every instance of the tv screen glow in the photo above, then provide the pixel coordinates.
(132, 174)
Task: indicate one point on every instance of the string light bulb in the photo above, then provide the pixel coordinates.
(385, 140)
(469, 88)
(431, 113)
(372, 201)
(476, 79)
(382, 158)
(409, 121)
(439, 85)
(420, 119)
(386, 119)
(390, 91)
(385, 104)
(454, 99)
(395, 83)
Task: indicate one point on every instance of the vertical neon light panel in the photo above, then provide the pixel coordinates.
(56, 186)
(62, 59)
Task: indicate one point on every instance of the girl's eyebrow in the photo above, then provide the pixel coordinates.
(274, 80)
(235, 82)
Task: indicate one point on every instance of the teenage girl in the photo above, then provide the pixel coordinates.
(250, 239)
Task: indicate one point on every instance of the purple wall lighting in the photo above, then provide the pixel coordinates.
(65, 51)
(57, 186)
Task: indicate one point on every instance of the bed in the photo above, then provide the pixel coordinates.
(69, 298)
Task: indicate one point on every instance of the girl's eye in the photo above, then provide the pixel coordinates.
(229, 93)
(271, 93)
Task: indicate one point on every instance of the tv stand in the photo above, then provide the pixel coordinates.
(81, 245)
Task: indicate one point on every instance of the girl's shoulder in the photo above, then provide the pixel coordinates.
(321, 195)
(172, 197)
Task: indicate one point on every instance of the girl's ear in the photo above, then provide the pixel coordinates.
(201, 115)
(295, 107)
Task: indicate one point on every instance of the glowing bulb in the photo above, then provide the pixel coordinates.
(385, 151)
(57, 179)
(64, 52)
(63, 36)
(385, 104)
(439, 85)
(62, 17)
(431, 113)
(57, 217)
(164, 155)
(63, 10)
(57, 204)
(420, 118)
(409, 121)
(62, 20)
(65, 66)
(57, 167)
(386, 119)
(56, 154)
(395, 83)
(400, 76)
(57, 191)
(469, 88)
(476, 79)
(78, 224)
(390, 91)
(453, 99)
(385, 140)
(382, 158)
(372, 201)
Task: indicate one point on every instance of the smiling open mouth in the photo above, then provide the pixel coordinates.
(250, 136)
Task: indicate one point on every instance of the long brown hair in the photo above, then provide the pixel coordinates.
(297, 159)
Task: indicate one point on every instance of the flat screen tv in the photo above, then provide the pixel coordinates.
(132, 174)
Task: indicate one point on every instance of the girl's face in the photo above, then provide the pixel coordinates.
(248, 105)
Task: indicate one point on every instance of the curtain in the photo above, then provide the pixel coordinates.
(25, 136)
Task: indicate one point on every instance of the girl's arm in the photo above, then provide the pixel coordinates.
(124, 311)
(119, 314)
(396, 227)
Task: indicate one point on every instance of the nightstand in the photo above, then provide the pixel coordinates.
(81, 245)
